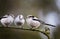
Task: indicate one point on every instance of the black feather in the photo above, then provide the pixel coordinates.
(31, 16)
(19, 23)
(2, 17)
(44, 22)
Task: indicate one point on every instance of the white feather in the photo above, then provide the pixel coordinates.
(33, 23)
(7, 20)
(21, 20)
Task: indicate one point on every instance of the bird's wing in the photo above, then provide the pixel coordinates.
(44, 22)
(39, 21)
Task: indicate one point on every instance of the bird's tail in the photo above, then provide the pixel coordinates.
(50, 25)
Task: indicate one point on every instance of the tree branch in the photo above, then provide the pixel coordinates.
(29, 30)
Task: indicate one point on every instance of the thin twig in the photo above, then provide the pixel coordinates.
(29, 30)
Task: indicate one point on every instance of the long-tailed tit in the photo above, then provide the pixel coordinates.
(8, 20)
(19, 21)
(34, 22)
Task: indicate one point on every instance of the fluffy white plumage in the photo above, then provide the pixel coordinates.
(19, 20)
(32, 23)
(7, 21)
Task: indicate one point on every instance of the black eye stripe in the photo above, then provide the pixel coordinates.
(2, 17)
(31, 16)
(38, 20)
(19, 17)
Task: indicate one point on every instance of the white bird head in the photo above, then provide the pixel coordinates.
(30, 16)
(5, 16)
(10, 15)
(21, 16)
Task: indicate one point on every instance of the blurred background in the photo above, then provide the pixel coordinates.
(46, 10)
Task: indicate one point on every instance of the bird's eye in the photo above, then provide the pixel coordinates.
(32, 16)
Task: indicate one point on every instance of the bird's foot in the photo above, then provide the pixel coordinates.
(21, 27)
(32, 29)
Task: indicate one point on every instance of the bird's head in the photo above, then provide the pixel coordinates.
(30, 16)
(11, 15)
(21, 16)
(5, 15)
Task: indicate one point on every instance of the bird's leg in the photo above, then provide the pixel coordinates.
(21, 27)
(32, 27)
(37, 27)
(7, 26)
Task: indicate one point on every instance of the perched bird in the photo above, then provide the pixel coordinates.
(34, 22)
(19, 21)
(7, 20)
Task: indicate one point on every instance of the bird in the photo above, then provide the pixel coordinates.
(7, 20)
(34, 22)
(19, 21)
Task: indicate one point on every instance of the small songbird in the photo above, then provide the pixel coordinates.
(7, 20)
(34, 22)
(19, 21)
